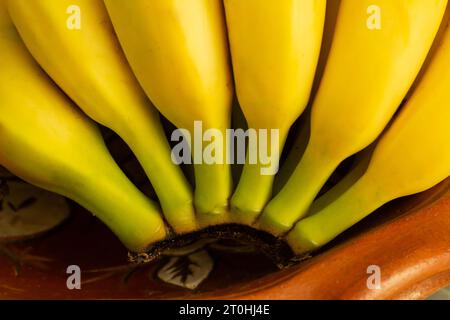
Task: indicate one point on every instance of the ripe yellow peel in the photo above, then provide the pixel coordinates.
(46, 141)
(89, 65)
(178, 51)
(368, 73)
(413, 156)
(182, 64)
(275, 47)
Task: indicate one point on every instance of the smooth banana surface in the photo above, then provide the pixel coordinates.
(359, 167)
(373, 61)
(178, 51)
(87, 62)
(46, 141)
(374, 77)
(275, 48)
(413, 156)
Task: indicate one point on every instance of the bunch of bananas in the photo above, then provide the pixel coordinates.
(67, 63)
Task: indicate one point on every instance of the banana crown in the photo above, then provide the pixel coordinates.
(66, 64)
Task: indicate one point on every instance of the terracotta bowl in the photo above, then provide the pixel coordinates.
(408, 240)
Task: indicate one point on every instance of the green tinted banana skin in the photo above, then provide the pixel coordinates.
(74, 42)
(47, 141)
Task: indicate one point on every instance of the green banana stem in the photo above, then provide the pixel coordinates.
(298, 194)
(315, 231)
(172, 188)
(133, 217)
(246, 206)
(361, 164)
(254, 188)
(46, 141)
(213, 189)
(213, 186)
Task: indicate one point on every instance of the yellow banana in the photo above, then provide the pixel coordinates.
(301, 136)
(86, 61)
(178, 51)
(413, 156)
(328, 34)
(46, 141)
(356, 171)
(377, 51)
(275, 47)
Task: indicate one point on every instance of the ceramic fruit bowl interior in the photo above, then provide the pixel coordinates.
(408, 240)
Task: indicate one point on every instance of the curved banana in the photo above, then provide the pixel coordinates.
(46, 141)
(275, 48)
(356, 171)
(301, 139)
(89, 65)
(178, 51)
(376, 54)
(413, 156)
